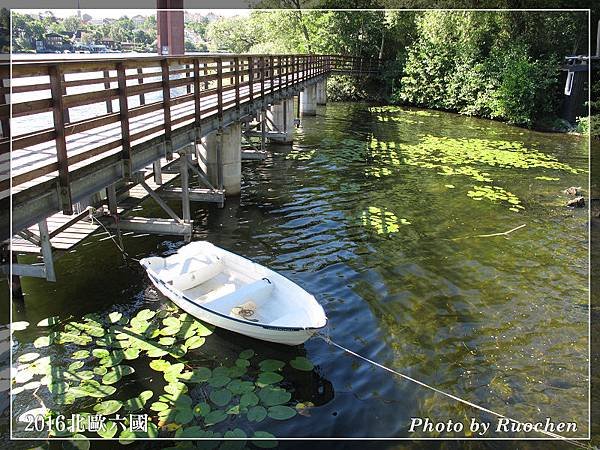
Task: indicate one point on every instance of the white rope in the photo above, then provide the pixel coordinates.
(120, 247)
(453, 397)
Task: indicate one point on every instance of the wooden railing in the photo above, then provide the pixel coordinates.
(133, 99)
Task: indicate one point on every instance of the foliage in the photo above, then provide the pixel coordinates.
(496, 65)
(194, 398)
(27, 29)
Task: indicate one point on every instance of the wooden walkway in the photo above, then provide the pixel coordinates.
(79, 126)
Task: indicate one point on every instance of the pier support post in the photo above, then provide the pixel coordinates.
(157, 172)
(281, 119)
(185, 187)
(47, 250)
(230, 165)
(322, 92)
(308, 101)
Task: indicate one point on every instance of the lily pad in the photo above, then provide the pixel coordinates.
(215, 417)
(202, 409)
(28, 357)
(247, 354)
(92, 388)
(239, 387)
(75, 366)
(18, 326)
(273, 396)
(220, 397)
(115, 316)
(194, 342)
(302, 363)
(271, 365)
(81, 354)
(48, 322)
(248, 399)
(281, 412)
(108, 407)
(131, 353)
(257, 414)
(108, 430)
(266, 378)
(270, 443)
(145, 314)
(160, 365)
(159, 406)
(41, 342)
(137, 403)
(218, 381)
(116, 374)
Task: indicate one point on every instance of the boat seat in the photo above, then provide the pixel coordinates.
(241, 298)
(193, 278)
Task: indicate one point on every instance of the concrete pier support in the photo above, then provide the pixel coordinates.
(281, 120)
(308, 101)
(322, 92)
(228, 164)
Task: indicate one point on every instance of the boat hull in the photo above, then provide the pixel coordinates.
(280, 335)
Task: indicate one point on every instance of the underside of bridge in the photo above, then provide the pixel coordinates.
(166, 121)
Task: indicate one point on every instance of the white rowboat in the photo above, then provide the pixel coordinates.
(232, 292)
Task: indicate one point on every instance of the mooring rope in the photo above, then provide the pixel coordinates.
(328, 339)
(121, 247)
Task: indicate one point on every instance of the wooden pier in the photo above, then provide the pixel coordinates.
(83, 128)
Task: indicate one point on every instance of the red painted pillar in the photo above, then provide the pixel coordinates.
(170, 27)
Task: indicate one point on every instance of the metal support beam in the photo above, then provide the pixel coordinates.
(47, 250)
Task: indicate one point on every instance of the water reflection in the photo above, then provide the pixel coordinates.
(500, 321)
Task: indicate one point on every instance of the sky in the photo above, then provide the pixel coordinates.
(116, 13)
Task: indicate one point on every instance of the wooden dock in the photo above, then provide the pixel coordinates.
(80, 127)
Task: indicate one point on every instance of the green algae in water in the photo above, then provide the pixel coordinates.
(463, 157)
(382, 221)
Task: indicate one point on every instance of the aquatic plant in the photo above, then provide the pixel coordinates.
(402, 110)
(299, 155)
(195, 398)
(381, 220)
(459, 156)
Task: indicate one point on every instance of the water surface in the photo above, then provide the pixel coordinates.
(382, 215)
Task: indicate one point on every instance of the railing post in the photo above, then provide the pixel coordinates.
(251, 78)
(293, 69)
(279, 77)
(124, 115)
(220, 90)
(56, 90)
(67, 116)
(141, 81)
(187, 76)
(197, 110)
(106, 76)
(262, 81)
(166, 91)
(271, 74)
(236, 61)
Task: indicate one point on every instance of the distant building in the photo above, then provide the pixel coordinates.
(138, 20)
(211, 17)
(127, 46)
(96, 22)
(107, 42)
(54, 40)
(86, 18)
